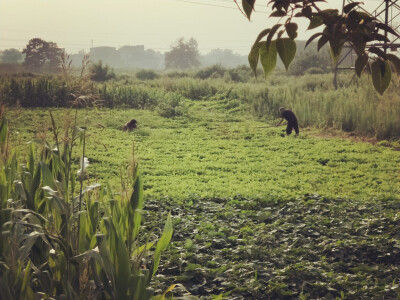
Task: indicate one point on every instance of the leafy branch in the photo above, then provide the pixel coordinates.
(365, 34)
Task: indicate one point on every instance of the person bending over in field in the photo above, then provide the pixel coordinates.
(290, 118)
(130, 125)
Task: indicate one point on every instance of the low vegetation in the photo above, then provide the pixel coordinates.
(355, 107)
(256, 214)
(63, 236)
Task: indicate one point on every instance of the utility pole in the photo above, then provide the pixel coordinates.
(383, 9)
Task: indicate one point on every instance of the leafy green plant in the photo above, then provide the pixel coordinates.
(172, 105)
(100, 72)
(56, 242)
(214, 71)
(352, 26)
(146, 75)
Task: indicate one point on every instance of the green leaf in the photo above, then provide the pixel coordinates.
(145, 247)
(360, 63)
(272, 33)
(280, 33)
(287, 50)
(3, 189)
(315, 22)
(28, 242)
(291, 29)
(349, 7)
(3, 132)
(83, 241)
(261, 35)
(278, 13)
(34, 186)
(307, 12)
(381, 75)
(26, 290)
(253, 57)
(47, 177)
(31, 159)
(395, 61)
(121, 261)
(386, 28)
(162, 244)
(248, 7)
(322, 41)
(268, 57)
(314, 36)
(378, 52)
(336, 48)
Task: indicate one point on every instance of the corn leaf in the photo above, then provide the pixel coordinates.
(3, 132)
(162, 244)
(83, 241)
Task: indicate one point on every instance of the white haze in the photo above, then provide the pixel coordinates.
(156, 24)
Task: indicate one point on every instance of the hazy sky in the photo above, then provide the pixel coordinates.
(77, 24)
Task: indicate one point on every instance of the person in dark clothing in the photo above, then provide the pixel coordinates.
(290, 118)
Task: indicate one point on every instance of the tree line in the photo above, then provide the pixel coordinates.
(42, 56)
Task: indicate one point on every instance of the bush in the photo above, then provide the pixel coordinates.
(101, 73)
(146, 75)
(240, 74)
(171, 106)
(215, 71)
(315, 70)
(177, 74)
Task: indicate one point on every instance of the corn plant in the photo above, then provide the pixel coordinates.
(63, 240)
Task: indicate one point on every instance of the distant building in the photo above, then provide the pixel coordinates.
(130, 52)
(108, 55)
(126, 57)
(132, 56)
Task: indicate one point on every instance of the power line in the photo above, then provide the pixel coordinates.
(214, 5)
(230, 1)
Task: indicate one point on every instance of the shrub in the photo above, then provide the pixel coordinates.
(147, 75)
(240, 74)
(215, 71)
(315, 70)
(172, 105)
(177, 74)
(100, 72)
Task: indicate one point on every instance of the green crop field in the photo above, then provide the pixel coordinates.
(256, 214)
(209, 153)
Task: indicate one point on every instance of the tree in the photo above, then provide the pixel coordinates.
(311, 61)
(42, 55)
(224, 57)
(183, 55)
(353, 27)
(10, 56)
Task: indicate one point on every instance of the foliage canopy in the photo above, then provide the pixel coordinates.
(365, 34)
(183, 55)
(10, 56)
(42, 55)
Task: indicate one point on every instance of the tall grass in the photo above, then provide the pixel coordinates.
(316, 103)
(353, 107)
